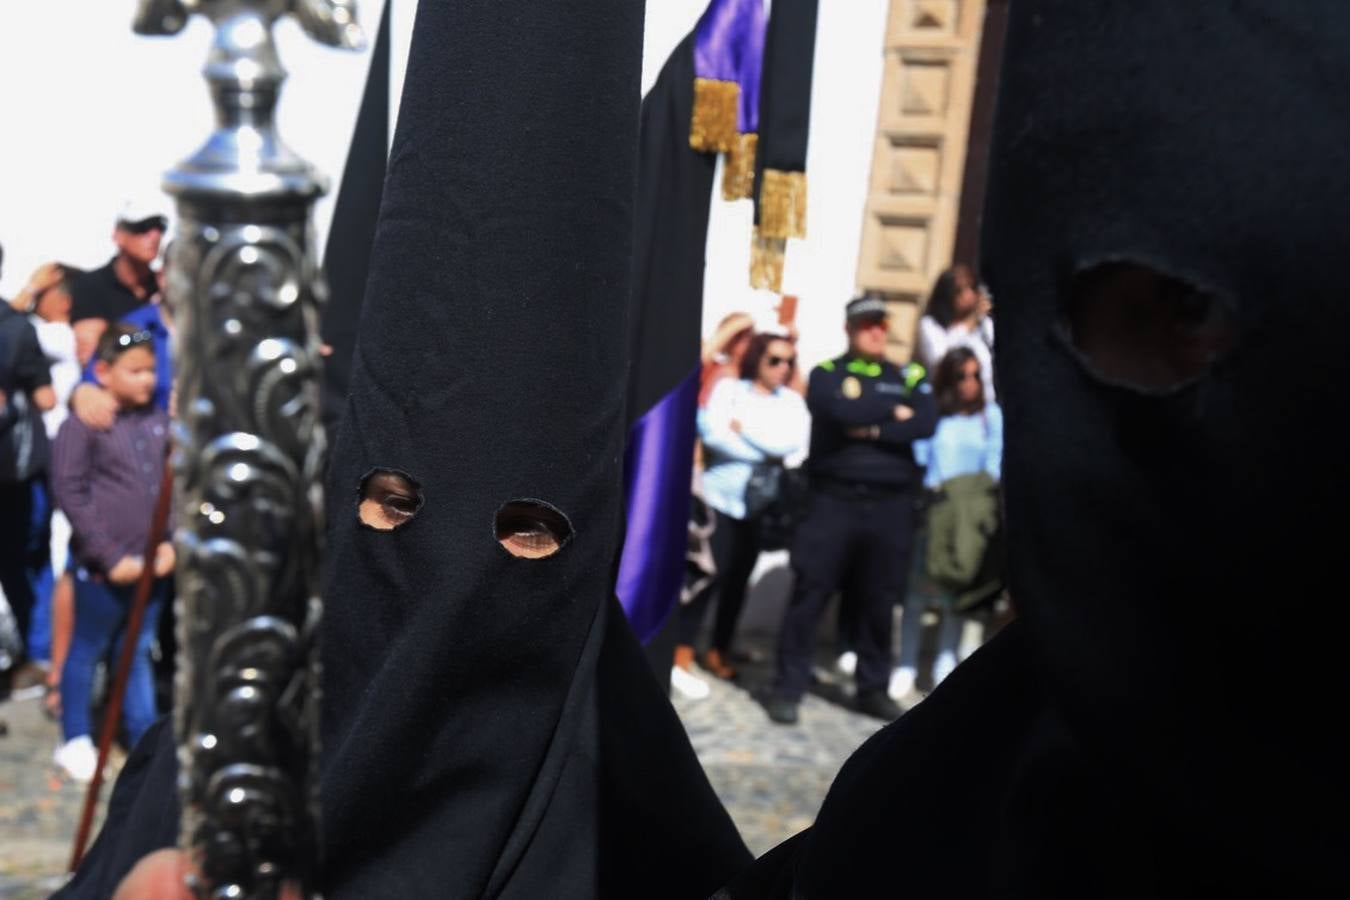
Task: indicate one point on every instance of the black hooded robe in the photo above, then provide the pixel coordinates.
(1165, 239)
(1164, 718)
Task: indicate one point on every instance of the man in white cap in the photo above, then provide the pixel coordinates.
(121, 291)
(126, 282)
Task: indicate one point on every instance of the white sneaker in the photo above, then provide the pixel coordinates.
(902, 682)
(78, 757)
(847, 663)
(688, 684)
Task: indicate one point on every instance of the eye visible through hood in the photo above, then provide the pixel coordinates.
(532, 529)
(1133, 326)
(388, 499)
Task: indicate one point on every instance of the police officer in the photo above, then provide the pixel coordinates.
(866, 413)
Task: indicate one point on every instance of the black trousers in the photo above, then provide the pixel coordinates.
(16, 552)
(735, 548)
(861, 540)
(846, 637)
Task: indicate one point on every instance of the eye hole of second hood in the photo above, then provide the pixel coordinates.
(388, 499)
(532, 529)
(1139, 328)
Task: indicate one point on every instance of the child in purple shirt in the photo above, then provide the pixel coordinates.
(107, 483)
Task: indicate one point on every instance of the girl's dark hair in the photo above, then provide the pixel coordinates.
(948, 379)
(759, 345)
(942, 301)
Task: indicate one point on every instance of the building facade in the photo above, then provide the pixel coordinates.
(920, 173)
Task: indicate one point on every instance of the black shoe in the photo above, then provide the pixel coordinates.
(879, 706)
(781, 710)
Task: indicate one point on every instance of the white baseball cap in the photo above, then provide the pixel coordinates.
(143, 207)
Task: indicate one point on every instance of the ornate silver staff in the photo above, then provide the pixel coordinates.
(244, 291)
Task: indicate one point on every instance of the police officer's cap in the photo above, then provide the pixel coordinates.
(868, 306)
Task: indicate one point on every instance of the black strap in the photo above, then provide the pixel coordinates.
(785, 95)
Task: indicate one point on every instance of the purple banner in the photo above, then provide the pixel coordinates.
(729, 46)
(658, 467)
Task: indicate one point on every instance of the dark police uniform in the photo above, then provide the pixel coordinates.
(861, 517)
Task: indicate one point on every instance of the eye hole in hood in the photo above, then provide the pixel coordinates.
(532, 529)
(1135, 327)
(388, 499)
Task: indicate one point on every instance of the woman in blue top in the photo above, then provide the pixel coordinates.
(968, 440)
(749, 421)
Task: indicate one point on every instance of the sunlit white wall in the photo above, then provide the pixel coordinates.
(90, 112)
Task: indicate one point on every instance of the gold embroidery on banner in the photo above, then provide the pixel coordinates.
(738, 170)
(712, 127)
(782, 204)
(766, 261)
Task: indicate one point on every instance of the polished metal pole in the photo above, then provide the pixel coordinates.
(244, 290)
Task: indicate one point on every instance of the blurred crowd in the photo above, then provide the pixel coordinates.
(880, 480)
(85, 383)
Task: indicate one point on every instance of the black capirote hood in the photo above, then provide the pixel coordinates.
(461, 711)
(1164, 244)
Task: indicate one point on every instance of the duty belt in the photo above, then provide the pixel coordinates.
(857, 490)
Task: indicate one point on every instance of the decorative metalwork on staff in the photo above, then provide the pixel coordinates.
(244, 291)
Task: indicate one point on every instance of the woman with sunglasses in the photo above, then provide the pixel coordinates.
(750, 425)
(965, 450)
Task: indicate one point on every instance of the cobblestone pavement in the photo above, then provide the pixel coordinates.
(771, 778)
(39, 808)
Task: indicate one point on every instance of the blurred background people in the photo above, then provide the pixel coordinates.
(750, 426)
(865, 415)
(107, 482)
(722, 352)
(47, 300)
(958, 315)
(25, 394)
(963, 461)
(96, 407)
(127, 280)
(112, 291)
